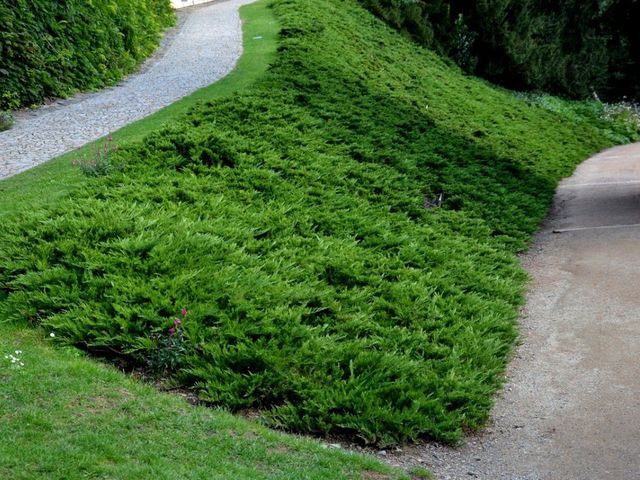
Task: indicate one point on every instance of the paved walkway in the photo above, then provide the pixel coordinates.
(205, 48)
(571, 409)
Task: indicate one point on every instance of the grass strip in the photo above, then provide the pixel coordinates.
(66, 417)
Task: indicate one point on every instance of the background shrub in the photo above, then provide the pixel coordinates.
(570, 47)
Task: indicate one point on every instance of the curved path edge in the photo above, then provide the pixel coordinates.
(570, 409)
(202, 49)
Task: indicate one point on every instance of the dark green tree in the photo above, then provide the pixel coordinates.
(567, 47)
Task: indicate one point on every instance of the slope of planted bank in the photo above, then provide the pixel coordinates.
(52, 49)
(295, 222)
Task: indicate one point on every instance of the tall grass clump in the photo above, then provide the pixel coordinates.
(291, 221)
(619, 121)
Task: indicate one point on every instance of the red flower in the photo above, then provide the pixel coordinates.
(172, 331)
(184, 312)
(177, 322)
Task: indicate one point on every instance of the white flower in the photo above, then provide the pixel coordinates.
(52, 334)
(18, 352)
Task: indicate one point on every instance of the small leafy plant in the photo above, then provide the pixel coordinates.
(6, 120)
(624, 113)
(170, 347)
(102, 161)
(619, 122)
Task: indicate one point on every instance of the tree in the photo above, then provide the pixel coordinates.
(570, 47)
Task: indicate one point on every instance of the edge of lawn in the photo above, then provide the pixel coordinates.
(65, 416)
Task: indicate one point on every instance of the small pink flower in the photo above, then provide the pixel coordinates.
(177, 322)
(172, 331)
(185, 312)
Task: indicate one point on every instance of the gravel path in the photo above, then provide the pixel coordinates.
(571, 407)
(203, 49)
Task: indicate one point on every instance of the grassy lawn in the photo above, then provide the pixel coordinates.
(66, 417)
(294, 220)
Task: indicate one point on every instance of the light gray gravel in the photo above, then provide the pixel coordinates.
(571, 407)
(204, 48)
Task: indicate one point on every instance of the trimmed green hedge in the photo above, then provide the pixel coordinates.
(51, 48)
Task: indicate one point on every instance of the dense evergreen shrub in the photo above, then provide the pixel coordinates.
(571, 47)
(51, 48)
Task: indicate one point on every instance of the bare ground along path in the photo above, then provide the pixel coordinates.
(571, 407)
(204, 48)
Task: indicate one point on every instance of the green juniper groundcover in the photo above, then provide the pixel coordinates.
(297, 225)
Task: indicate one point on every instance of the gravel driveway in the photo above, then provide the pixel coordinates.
(571, 407)
(201, 50)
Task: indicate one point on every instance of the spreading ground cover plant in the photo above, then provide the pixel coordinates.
(52, 49)
(291, 220)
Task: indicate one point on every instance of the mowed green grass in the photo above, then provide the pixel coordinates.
(290, 220)
(66, 417)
